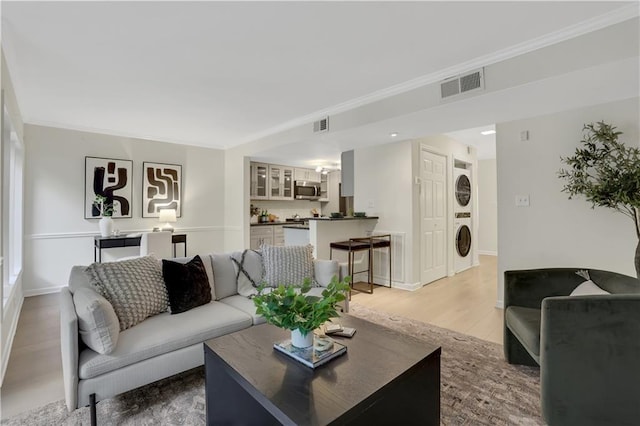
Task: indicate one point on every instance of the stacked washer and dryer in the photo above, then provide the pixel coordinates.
(462, 217)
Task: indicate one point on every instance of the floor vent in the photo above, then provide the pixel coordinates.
(321, 125)
(462, 84)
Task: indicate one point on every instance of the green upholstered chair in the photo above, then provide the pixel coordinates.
(587, 347)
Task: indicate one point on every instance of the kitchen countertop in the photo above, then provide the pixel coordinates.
(343, 218)
(295, 224)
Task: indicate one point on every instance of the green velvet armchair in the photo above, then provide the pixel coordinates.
(587, 347)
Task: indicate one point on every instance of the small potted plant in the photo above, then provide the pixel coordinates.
(106, 209)
(293, 309)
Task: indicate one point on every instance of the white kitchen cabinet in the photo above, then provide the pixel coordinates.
(308, 175)
(278, 235)
(260, 235)
(280, 182)
(259, 188)
(324, 188)
(272, 235)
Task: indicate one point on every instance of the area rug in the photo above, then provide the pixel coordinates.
(478, 388)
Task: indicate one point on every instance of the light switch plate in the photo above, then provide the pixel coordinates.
(522, 200)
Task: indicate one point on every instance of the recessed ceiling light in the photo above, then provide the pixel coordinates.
(393, 135)
(488, 132)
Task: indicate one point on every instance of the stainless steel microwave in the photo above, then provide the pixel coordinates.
(305, 190)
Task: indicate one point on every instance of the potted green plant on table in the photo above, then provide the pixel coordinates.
(607, 173)
(293, 309)
(106, 209)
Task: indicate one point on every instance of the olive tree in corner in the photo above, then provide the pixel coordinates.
(607, 173)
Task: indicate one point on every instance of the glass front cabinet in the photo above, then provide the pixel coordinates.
(280, 182)
(259, 189)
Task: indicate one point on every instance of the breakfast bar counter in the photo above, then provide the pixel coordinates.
(325, 230)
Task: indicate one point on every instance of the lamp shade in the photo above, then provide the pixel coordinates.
(167, 215)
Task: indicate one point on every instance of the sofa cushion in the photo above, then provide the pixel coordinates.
(97, 321)
(164, 333)
(524, 323)
(224, 276)
(288, 265)
(135, 288)
(249, 270)
(245, 305)
(187, 284)
(588, 288)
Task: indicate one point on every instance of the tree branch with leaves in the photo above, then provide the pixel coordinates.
(607, 173)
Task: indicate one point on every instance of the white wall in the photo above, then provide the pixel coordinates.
(382, 187)
(555, 231)
(58, 236)
(487, 207)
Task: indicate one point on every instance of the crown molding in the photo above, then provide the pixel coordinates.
(616, 16)
(152, 138)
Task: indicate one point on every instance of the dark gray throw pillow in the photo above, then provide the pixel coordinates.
(187, 284)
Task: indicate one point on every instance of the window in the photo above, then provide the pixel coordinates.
(12, 205)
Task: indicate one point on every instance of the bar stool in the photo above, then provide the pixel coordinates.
(354, 245)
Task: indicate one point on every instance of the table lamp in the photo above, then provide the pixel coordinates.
(168, 216)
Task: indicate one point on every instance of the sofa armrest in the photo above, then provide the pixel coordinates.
(527, 288)
(69, 347)
(590, 359)
(325, 270)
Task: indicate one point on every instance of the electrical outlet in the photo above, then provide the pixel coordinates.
(524, 135)
(522, 200)
(372, 204)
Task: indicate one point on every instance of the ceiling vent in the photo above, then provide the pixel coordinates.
(462, 84)
(321, 125)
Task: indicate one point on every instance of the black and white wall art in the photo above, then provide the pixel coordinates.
(161, 188)
(111, 178)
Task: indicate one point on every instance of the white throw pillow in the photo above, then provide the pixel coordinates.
(97, 321)
(249, 271)
(588, 288)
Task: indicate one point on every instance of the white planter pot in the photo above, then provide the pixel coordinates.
(300, 341)
(106, 226)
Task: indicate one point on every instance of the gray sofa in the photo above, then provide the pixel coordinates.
(587, 346)
(161, 345)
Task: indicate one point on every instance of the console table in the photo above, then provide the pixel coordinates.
(384, 378)
(100, 243)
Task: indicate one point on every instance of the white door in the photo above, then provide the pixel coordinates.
(433, 208)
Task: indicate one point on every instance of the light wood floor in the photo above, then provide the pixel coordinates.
(463, 303)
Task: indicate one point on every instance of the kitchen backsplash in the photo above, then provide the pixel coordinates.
(288, 209)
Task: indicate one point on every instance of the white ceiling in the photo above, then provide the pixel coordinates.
(220, 74)
(485, 144)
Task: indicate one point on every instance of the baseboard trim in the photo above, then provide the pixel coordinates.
(41, 291)
(6, 350)
(406, 286)
(488, 252)
(500, 304)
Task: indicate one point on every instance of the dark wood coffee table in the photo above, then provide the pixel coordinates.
(384, 378)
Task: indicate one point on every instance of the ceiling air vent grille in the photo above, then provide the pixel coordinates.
(462, 84)
(321, 125)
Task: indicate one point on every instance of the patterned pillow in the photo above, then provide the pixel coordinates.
(249, 270)
(288, 265)
(135, 288)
